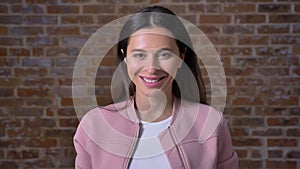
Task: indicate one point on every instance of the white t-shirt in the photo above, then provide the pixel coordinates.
(149, 153)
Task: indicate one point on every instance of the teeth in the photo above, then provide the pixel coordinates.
(150, 80)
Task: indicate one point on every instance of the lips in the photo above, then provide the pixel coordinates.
(152, 81)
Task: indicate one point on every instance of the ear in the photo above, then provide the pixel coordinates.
(125, 60)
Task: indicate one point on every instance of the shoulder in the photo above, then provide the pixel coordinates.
(111, 110)
(202, 110)
(209, 121)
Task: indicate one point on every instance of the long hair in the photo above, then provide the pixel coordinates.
(158, 16)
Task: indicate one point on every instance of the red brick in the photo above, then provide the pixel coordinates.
(297, 7)
(276, 8)
(253, 40)
(3, 30)
(293, 132)
(284, 18)
(250, 19)
(18, 52)
(268, 51)
(12, 143)
(213, 8)
(3, 52)
(196, 8)
(59, 133)
(127, 9)
(6, 92)
(274, 71)
(66, 112)
(177, 8)
(5, 72)
(238, 132)
(282, 142)
(240, 51)
(78, 19)
(30, 72)
(62, 72)
(41, 1)
(57, 51)
(293, 154)
(41, 142)
(98, 9)
(242, 153)
(9, 164)
(74, 41)
(29, 92)
(40, 19)
(246, 142)
(222, 40)
(267, 132)
(273, 29)
(68, 122)
(248, 122)
(214, 19)
(275, 153)
(3, 8)
(256, 154)
(12, 19)
(66, 101)
(239, 7)
(291, 101)
(37, 62)
(38, 102)
(10, 41)
(28, 30)
(210, 29)
(25, 9)
(239, 71)
(27, 112)
(37, 51)
(240, 111)
(248, 81)
(62, 9)
(9, 62)
(282, 121)
(284, 40)
(63, 30)
(39, 82)
(41, 41)
(105, 19)
(281, 164)
(23, 132)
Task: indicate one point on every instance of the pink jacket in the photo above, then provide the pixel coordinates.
(198, 138)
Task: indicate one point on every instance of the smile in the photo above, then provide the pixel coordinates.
(152, 81)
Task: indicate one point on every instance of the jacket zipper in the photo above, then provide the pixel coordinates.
(177, 147)
(134, 146)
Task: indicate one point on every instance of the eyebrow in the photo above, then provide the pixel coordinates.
(159, 50)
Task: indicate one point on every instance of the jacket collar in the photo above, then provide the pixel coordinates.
(130, 111)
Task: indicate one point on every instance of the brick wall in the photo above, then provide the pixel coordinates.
(258, 41)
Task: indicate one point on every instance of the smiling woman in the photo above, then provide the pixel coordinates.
(159, 117)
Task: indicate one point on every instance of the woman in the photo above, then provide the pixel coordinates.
(160, 117)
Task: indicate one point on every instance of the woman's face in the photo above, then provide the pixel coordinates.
(152, 60)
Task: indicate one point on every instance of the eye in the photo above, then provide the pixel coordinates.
(138, 55)
(165, 54)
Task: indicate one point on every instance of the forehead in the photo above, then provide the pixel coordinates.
(152, 38)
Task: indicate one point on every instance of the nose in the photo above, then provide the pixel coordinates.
(152, 63)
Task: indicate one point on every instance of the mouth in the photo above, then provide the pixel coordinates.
(152, 81)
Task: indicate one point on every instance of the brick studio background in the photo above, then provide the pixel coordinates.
(258, 42)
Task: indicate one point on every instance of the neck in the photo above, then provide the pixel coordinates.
(156, 107)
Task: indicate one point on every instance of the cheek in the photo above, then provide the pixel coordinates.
(171, 69)
(132, 68)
